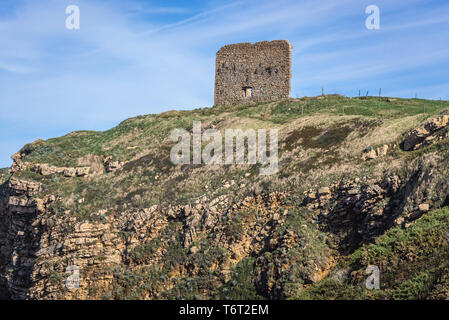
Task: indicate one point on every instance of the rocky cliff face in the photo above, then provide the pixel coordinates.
(107, 216)
(38, 246)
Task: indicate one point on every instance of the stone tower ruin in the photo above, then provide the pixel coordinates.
(253, 72)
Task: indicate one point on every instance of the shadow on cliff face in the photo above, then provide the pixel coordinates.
(4, 293)
(358, 213)
(19, 242)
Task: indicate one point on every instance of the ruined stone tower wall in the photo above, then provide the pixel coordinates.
(253, 72)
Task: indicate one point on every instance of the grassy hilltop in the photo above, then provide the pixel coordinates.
(349, 193)
(317, 142)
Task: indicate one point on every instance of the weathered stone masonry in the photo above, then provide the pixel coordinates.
(253, 72)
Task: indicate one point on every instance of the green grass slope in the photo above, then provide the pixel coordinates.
(319, 138)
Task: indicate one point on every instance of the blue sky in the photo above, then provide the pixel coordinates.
(138, 57)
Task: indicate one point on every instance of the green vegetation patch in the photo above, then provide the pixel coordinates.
(413, 262)
(4, 175)
(386, 108)
(241, 285)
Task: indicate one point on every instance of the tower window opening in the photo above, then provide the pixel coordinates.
(247, 91)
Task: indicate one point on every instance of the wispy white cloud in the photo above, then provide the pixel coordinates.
(15, 68)
(142, 9)
(193, 18)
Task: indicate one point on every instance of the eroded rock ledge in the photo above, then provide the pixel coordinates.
(45, 170)
(432, 132)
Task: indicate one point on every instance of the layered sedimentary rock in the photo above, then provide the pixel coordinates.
(434, 130)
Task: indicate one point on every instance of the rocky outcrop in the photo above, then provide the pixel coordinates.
(355, 211)
(432, 132)
(20, 234)
(112, 165)
(358, 211)
(22, 187)
(18, 164)
(46, 170)
(109, 166)
(373, 153)
(3, 175)
(42, 243)
(41, 246)
(38, 247)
